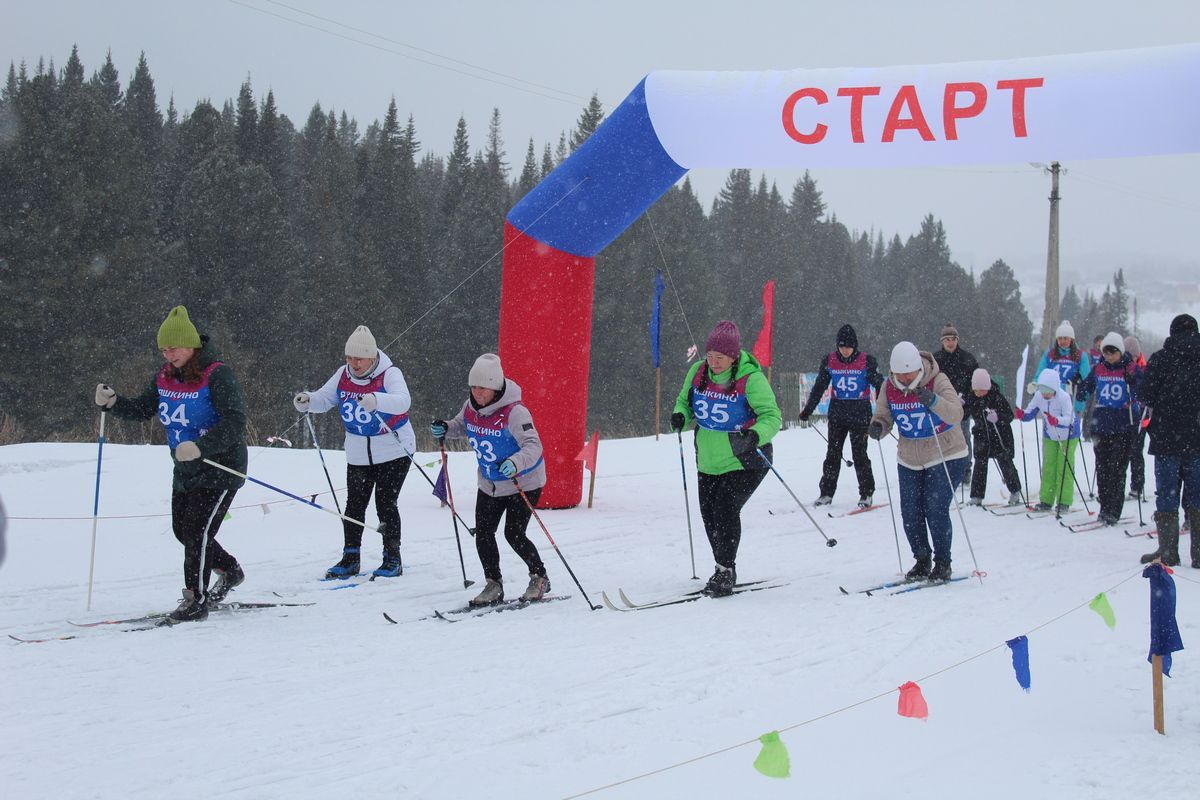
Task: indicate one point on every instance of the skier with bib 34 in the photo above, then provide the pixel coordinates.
(373, 401)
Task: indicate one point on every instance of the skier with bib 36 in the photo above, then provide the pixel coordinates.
(373, 401)
(736, 415)
(500, 430)
(198, 400)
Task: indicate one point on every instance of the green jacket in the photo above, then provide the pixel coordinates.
(714, 449)
(224, 443)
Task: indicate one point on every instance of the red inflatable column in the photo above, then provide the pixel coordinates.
(545, 341)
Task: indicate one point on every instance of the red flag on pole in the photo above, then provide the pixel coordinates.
(588, 454)
(763, 345)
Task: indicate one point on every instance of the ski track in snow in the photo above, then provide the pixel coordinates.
(554, 700)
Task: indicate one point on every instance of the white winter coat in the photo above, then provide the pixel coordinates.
(1062, 408)
(394, 399)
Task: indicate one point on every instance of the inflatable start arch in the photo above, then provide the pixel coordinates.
(1099, 105)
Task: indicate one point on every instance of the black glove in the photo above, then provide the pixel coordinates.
(926, 396)
(875, 429)
(743, 442)
(677, 421)
(804, 415)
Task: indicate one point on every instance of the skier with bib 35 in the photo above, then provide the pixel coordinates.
(931, 455)
(508, 449)
(736, 415)
(198, 400)
(373, 401)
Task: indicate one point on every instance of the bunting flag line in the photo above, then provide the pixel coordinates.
(1020, 659)
(773, 760)
(912, 702)
(1164, 630)
(1100, 605)
(763, 346)
(656, 319)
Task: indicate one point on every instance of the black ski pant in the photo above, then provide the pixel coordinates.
(385, 480)
(721, 500)
(196, 515)
(1112, 459)
(1137, 464)
(488, 511)
(1008, 470)
(838, 432)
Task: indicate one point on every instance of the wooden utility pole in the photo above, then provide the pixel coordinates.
(1050, 318)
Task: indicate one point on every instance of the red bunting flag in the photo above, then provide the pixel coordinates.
(912, 702)
(763, 345)
(588, 454)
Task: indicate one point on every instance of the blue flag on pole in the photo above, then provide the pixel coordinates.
(656, 318)
(1164, 630)
(1020, 659)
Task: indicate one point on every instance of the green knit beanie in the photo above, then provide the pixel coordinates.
(178, 331)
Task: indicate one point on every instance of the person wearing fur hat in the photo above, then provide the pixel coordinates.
(200, 403)
(372, 399)
(508, 449)
(1169, 390)
(736, 416)
(992, 431)
(852, 374)
(931, 455)
(1137, 458)
(1113, 385)
(958, 365)
(1065, 357)
(1060, 440)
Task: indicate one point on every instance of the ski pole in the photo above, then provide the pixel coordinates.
(687, 506)
(1137, 443)
(96, 509)
(961, 520)
(1076, 477)
(200, 582)
(413, 458)
(891, 506)
(828, 542)
(546, 531)
(999, 438)
(1086, 474)
(453, 513)
(845, 460)
(1024, 466)
(1065, 449)
(286, 493)
(313, 430)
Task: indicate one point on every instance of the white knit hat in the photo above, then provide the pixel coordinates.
(1113, 339)
(906, 358)
(1049, 380)
(981, 380)
(487, 372)
(361, 343)
(1064, 329)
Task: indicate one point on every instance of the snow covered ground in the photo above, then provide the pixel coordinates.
(555, 700)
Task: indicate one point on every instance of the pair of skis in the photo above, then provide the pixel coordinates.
(686, 597)
(902, 586)
(469, 611)
(157, 619)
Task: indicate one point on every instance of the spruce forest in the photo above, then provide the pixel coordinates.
(281, 239)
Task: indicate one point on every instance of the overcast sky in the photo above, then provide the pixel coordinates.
(540, 61)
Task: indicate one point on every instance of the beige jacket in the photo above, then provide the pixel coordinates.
(925, 453)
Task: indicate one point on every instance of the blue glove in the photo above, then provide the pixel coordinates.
(508, 468)
(926, 396)
(438, 428)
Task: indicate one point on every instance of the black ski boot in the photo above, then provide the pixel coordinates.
(940, 572)
(919, 571)
(346, 568)
(192, 608)
(227, 581)
(721, 583)
(1167, 524)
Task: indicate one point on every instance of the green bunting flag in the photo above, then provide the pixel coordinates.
(228, 516)
(1100, 605)
(773, 760)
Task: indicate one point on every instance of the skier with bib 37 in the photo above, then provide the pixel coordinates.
(198, 400)
(735, 412)
(500, 430)
(373, 401)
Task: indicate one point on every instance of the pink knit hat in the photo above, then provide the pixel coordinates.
(981, 380)
(726, 339)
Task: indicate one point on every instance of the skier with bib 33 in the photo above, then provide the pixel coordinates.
(373, 401)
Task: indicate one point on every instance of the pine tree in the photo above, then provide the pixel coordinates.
(270, 140)
(529, 173)
(589, 120)
(547, 161)
(108, 83)
(245, 135)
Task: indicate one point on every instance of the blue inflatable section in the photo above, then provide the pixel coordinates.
(598, 192)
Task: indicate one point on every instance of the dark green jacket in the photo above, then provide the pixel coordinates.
(714, 450)
(224, 443)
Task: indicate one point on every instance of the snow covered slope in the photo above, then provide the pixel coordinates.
(555, 700)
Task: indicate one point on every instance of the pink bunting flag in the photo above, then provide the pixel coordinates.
(912, 702)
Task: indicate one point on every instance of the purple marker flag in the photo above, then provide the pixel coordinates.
(439, 486)
(1164, 630)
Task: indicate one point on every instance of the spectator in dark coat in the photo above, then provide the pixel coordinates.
(958, 365)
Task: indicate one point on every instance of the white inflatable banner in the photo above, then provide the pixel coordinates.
(1095, 105)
